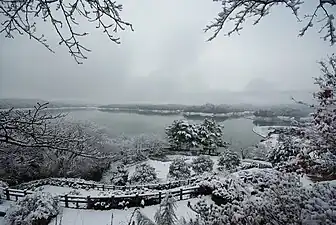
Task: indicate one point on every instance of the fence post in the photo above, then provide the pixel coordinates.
(77, 205)
(137, 200)
(181, 194)
(159, 196)
(188, 181)
(88, 202)
(25, 192)
(7, 194)
(112, 200)
(66, 201)
(103, 187)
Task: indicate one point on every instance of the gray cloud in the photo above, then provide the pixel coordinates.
(166, 59)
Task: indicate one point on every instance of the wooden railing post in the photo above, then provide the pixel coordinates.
(88, 202)
(181, 194)
(137, 199)
(112, 200)
(103, 187)
(7, 194)
(66, 201)
(159, 196)
(25, 192)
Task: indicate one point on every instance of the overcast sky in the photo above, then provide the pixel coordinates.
(166, 59)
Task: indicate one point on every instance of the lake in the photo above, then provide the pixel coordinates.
(236, 131)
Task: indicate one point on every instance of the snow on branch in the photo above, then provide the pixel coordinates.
(39, 129)
(64, 16)
(238, 11)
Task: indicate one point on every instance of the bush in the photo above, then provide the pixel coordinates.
(270, 198)
(229, 160)
(179, 169)
(144, 174)
(120, 177)
(35, 209)
(202, 164)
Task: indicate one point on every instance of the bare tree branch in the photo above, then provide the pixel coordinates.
(237, 11)
(39, 129)
(21, 17)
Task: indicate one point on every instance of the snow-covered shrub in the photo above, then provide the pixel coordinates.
(144, 174)
(120, 177)
(281, 201)
(228, 160)
(202, 164)
(179, 169)
(34, 209)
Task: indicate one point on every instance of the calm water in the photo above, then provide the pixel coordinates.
(236, 131)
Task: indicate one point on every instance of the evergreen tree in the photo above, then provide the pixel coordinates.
(166, 212)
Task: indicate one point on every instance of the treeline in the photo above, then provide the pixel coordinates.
(284, 111)
(206, 108)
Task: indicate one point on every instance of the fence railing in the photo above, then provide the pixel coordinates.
(106, 187)
(111, 202)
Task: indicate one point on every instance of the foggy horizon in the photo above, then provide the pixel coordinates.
(168, 60)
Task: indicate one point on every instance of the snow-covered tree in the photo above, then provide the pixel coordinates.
(37, 208)
(324, 117)
(179, 169)
(210, 135)
(182, 135)
(239, 11)
(202, 164)
(165, 215)
(64, 19)
(144, 174)
(228, 159)
(138, 148)
(286, 149)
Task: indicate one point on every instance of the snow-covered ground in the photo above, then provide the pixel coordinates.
(120, 217)
(263, 131)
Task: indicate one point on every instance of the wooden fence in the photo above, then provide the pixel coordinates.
(106, 187)
(111, 202)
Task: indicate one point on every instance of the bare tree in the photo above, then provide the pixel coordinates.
(22, 17)
(238, 11)
(40, 129)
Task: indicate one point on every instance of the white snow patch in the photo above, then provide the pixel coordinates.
(306, 181)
